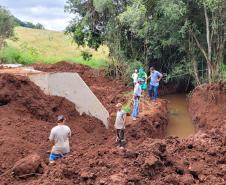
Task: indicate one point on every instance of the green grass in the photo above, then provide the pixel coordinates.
(44, 46)
(223, 72)
(94, 62)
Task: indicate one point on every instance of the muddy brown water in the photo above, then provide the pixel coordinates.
(180, 122)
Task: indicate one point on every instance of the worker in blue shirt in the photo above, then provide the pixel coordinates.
(155, 77)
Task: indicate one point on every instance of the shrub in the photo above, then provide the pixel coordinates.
(86, 55)
(9, 55)
(116, 69)
(12, 55)
(123, 70)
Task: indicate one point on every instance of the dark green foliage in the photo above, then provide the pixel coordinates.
(154, 32)
(28, 24)
(39, 26)
(24, 55)
(86, 55)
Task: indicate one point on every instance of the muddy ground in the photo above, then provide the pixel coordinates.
(27, 115)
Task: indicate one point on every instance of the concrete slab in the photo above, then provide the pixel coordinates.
(68, 85)
(10, 65)
(72, 87)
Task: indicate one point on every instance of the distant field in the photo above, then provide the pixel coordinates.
(47, 46)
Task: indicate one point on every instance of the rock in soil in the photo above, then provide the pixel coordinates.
(28, 165)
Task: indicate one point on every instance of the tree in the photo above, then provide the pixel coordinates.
(173, 35)
(147, 31)
(39, 26)
(29, 25)
(6, 25)
(210, 41)
(18, 22)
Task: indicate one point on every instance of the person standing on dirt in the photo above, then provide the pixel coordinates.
(143, 78)
(59, 136)
(155, 77)
(135, 77)
(120, 125)
(136, 99)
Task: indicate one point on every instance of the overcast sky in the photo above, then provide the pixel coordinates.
(49, 13)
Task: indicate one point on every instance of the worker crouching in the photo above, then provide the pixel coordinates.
(59, 136)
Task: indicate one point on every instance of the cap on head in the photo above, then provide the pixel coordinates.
(60, 118)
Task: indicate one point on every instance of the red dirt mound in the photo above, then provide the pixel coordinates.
(94, 159)
(28, 114)
(27, 166)
(25, 97)
(208, 106)
(152, 122)
(26, 120)
(197, 160)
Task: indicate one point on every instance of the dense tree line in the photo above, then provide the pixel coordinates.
(28, 24)
(17, 22)
(185, 38)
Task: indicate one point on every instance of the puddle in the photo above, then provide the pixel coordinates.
(180, 123)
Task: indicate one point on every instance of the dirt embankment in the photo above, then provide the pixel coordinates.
(24, 97)
(28, 116)
(208, 107)
(94, 159)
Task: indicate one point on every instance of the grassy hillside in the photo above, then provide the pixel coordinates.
(33, 45)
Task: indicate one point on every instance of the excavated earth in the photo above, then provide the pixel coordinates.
(27, 116)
